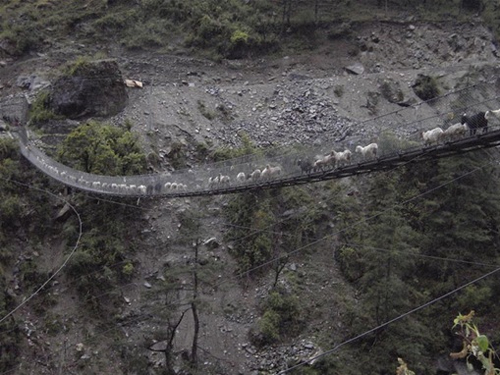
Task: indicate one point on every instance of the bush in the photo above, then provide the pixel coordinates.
(281, 318)
(40, 111)
(426, 87)
(102, 149)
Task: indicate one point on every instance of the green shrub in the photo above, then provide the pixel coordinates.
(280, 319)
(40, 111)
(270, 326)
(426, 87)
(128, 270)
(239, 37)
(102, 149)
(247, 148)
(73, 67)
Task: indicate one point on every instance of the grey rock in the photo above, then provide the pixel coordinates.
(93, 89)
(356, 68)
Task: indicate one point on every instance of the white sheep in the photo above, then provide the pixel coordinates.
(174, 186)
(276, 171)
(455, 131)
(224, 180)
(432, 136)
(269, 172)
(241, 177)
(324, 161)
(369, 150)
(167, 185)
(342, 157)
(142, 189)
(96, 184)
(212, 181)
(255, 175)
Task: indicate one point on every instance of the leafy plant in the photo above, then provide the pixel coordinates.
(426, 87)
(281, 317)
(40, 110)
(474, 344)
(102, 149)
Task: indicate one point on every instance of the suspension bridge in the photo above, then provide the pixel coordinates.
(393, 151)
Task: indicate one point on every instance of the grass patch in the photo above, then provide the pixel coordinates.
(229, 29)
(40, 111)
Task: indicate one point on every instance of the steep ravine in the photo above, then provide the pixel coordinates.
(308, 99)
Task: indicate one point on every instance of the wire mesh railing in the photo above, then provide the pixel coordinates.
(395, 133)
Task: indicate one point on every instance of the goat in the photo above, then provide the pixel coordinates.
(306, 166)
(478, 120)
(432, 136)
(455, 131)
(369, 150)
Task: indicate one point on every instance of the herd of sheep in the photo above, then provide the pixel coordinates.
(467, 124)
(320, 163)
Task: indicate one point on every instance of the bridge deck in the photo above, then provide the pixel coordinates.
(384, 162)
(195, 181)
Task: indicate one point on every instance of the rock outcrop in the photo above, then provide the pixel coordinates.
(89, 89)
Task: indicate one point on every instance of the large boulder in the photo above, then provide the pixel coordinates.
(89, 88)
(14, 109)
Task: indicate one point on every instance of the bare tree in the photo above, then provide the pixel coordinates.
(194, 303)
(287, 10)
(168, 350)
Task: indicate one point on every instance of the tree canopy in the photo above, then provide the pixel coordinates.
(103, 149)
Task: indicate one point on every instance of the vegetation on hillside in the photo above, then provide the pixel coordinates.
(411, 235)
(29, 218)
(404, 255)
(219, 29)
(103, 149)
(98, 148)
(26, 217)
(396, 256)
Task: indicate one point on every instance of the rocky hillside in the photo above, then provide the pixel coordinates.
(297, 99)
